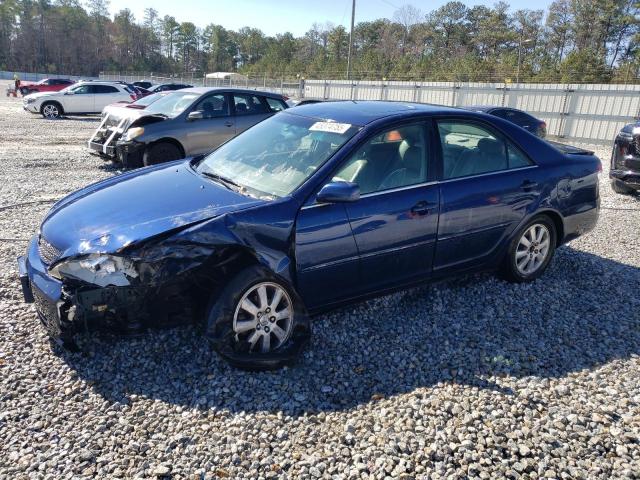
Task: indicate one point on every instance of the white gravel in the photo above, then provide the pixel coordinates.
(472, 378)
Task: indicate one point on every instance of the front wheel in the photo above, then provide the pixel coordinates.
(257, 322)
(51, 110)
(531, 250)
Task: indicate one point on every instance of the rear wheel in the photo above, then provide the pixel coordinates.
(160, 153)
(619, 187)
(531, 250)
(257, 321)
(51, 110)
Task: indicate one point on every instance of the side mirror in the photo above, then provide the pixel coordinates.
(197, 115)
(338, 192)
(69, 93)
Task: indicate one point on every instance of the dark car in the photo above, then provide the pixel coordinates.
(318, 206)
(143, 84)
(522, 119)
(181, 124)
(165, 87)
(625, 160)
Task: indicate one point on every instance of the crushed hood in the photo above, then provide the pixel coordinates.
(118, 111)
(121, 211)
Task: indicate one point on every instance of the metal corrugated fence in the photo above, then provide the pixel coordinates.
(590, 113)
(586, 113)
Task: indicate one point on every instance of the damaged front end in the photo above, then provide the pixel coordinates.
(154, 286)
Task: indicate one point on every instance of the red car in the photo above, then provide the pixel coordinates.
(45, 85)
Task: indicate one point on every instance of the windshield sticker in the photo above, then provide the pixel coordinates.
(330, 127)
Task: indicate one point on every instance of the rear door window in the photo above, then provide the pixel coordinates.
(101, 89)
(470, 149)
(248, 105)
(213, 106)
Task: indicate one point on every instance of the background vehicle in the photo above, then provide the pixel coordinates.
(166, 87)
(143, 84)
(319, 206)
(45, 85)
(80, 98)
(625, 160)
(513, 115)
(183, 123)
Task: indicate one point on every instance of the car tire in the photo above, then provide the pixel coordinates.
(257, 322)
(160, 153)
(530, 251)
(51, 110)
(619, 187)
(24, 91)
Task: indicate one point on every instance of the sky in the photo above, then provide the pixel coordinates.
(295, 16)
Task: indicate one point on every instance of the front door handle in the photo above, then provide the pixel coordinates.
(423, 207)
(528, 185)
(228, 124)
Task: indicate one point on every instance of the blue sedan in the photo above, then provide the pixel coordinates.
(316, 207)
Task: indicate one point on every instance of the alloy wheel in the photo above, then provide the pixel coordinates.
(264, 317)
(533, 249)
(50, 111)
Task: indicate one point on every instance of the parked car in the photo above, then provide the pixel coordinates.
(625, 160)
(183, 123)
(143, 84)
(513, 115)
(167, 87)
(318, 206)
(44, 85)
(80, 98)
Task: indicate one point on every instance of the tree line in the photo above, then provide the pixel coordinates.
(572, 41)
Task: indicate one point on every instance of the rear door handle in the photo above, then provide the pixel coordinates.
(228, 124)
(528, 185)
(423, 207)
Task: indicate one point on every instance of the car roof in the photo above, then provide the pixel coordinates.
(203, 90)
(363, 112)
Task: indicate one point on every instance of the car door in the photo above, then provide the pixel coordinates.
(79, 99)
(487, 185)
(392, 227)
(249, 110)
(214, 127)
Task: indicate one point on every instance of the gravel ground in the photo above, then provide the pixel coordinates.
(472, 378)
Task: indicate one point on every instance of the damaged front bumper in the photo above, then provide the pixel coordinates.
(130, 153)
(631, 178)
(65, 311)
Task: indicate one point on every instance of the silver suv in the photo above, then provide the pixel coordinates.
(181, 124)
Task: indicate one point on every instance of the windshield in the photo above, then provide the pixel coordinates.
(276, 156)
(173, 104)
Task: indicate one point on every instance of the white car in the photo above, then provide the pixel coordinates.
(79, 98)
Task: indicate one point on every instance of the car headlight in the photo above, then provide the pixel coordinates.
(133, 133)
(98, 269)
(30, 99)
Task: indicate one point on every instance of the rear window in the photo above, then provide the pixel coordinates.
(275, 105)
